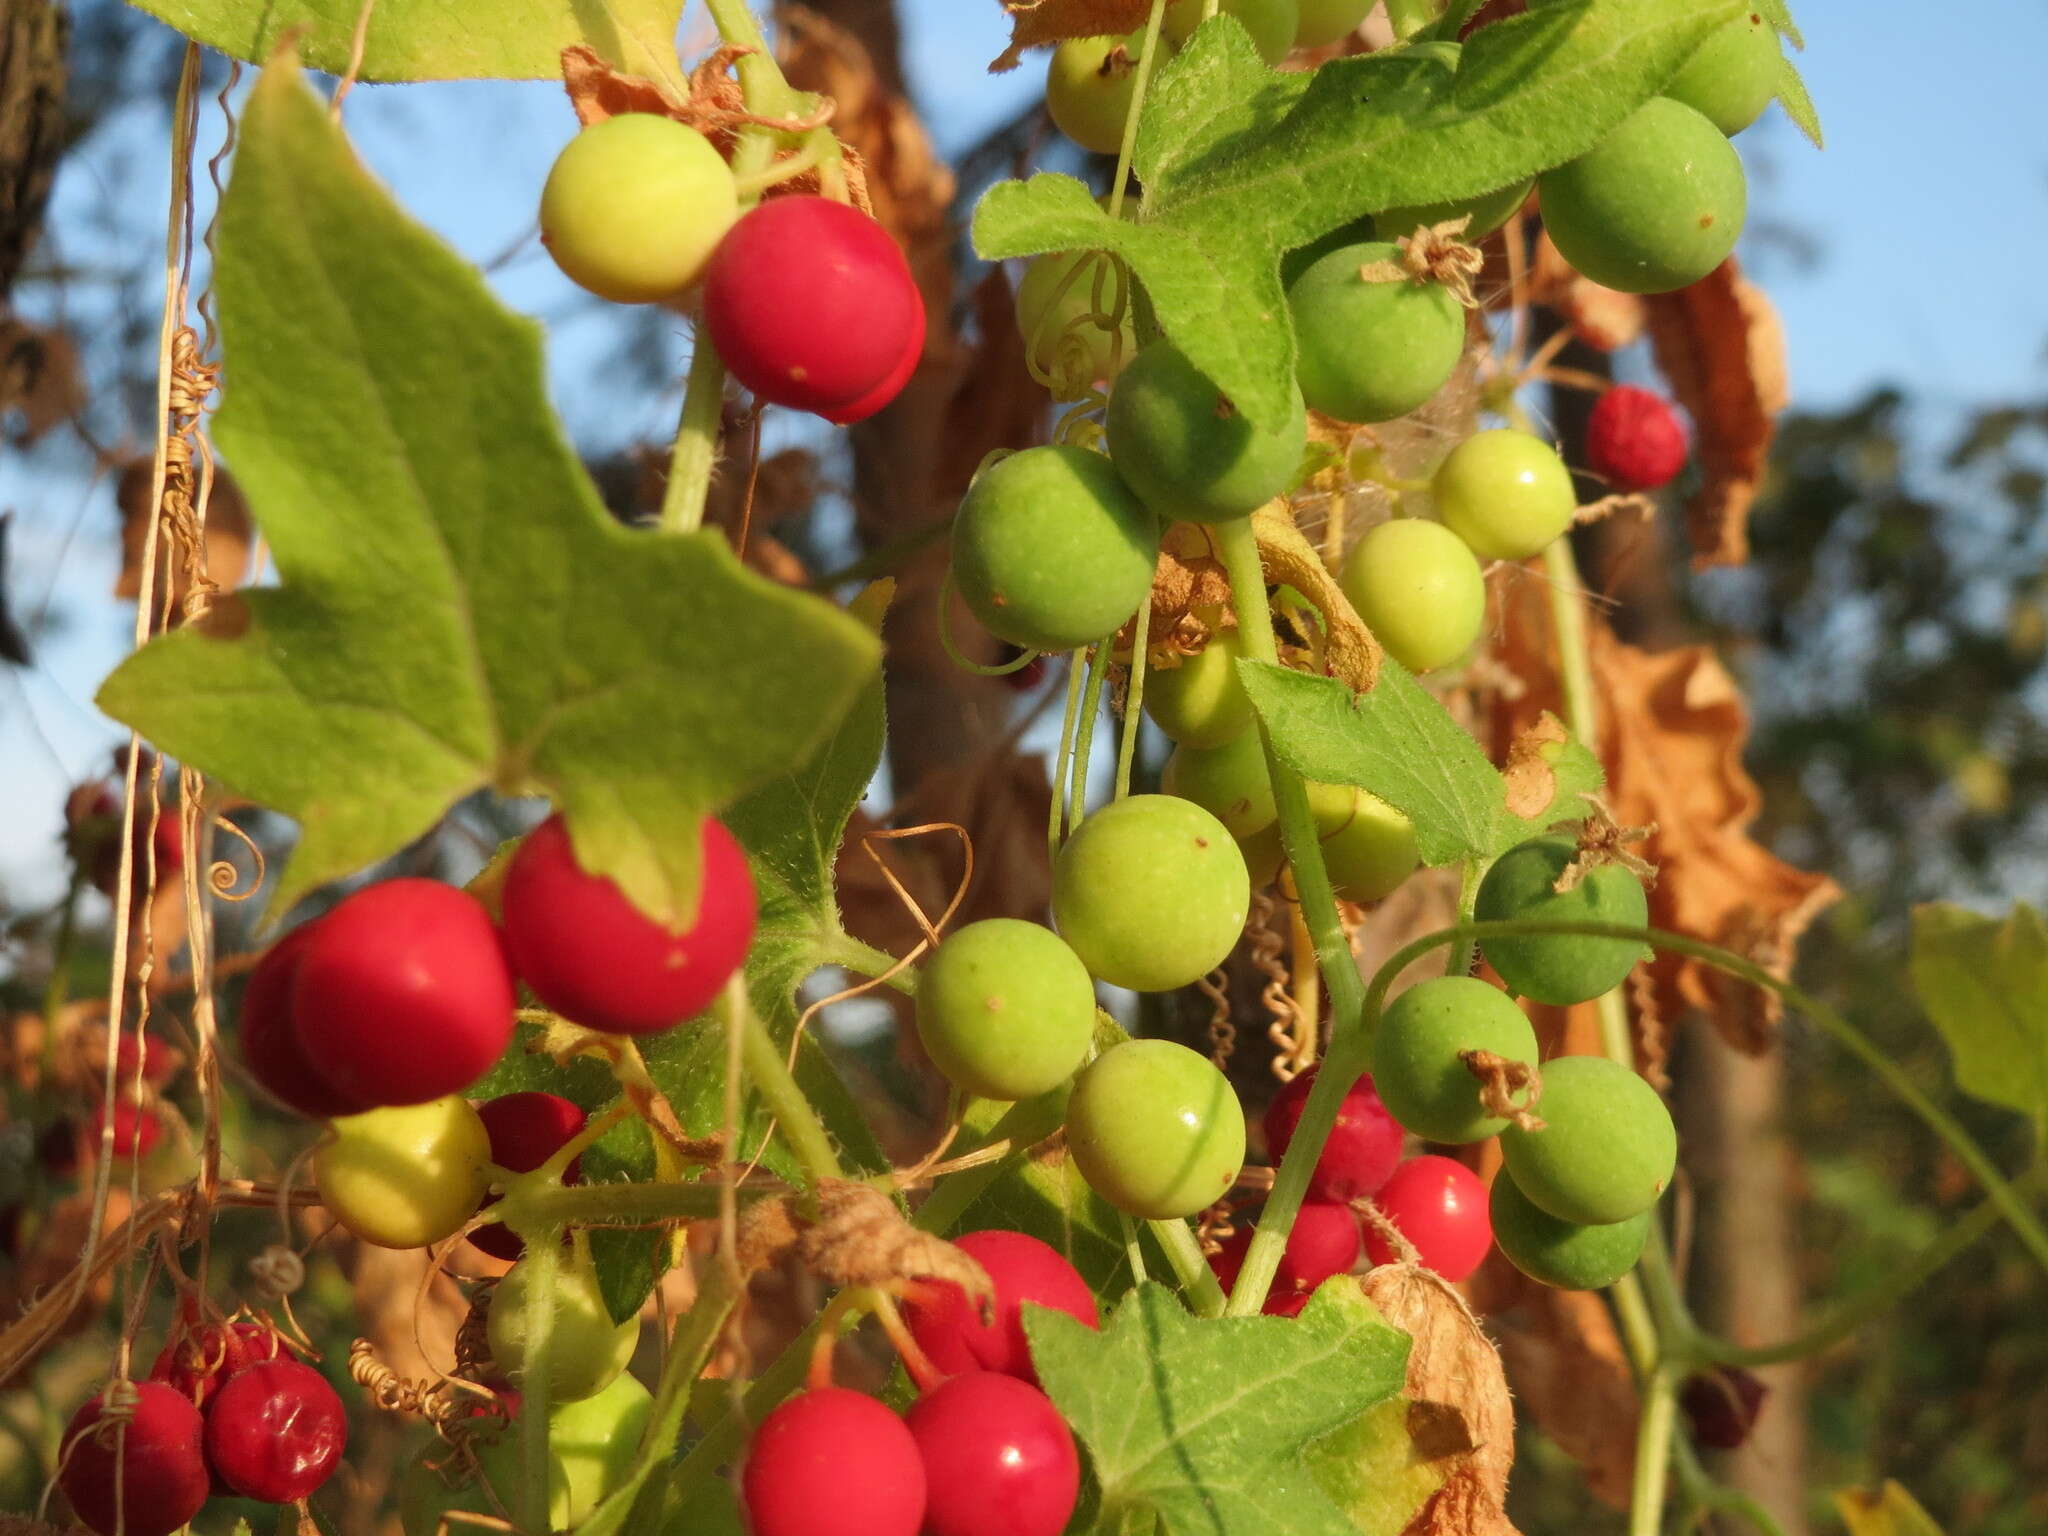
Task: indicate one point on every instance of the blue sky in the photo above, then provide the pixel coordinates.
(1929, 210)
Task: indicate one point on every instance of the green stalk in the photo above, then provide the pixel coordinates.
(1062, 762)
(543, 1261)
(1139, 84)
(1462, 953)
(1654, 1432)
(696, 446)
(614, 1205)
(1134, 696)
(1350, 1029)
(1198, 1281)
(770, 1075)
(851, 954)
(1091, 712)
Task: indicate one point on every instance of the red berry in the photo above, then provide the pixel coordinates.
(1634, 440)
(1364, 1145)
(202, 1357)
(137, 1130)
(812, 305)
(948, 1326)
(833, 1463)
(1722, 1406)
(998, 1458)
(594, 957)
(402, 995)
(270, 1045)
(1322, 1242)
(526, 1130)
(890, 387)
(276, 1431)
(156, 1457)
(1439, 1205)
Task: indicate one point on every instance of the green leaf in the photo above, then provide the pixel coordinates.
(1798, 102)
(457, 609)
(1370, 1470)
(1401, 744)
(437, 39)
(1203, 1424)
(1984, 983)
(1241, 164)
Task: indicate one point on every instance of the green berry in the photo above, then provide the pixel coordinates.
(1051, 550)
(1418, 588)
(1565, 1254)
(1005, 1009)
(1734, 75)
(1371, 349)
(1185, 449)
(1271, 23)
(1607, 1148)
(1264, 853)
(1560, 968)
(1487, 213)
(1654, 206)
(1155, 1129)
(1417, 1055)
(1201, 702)
(1230, 782)
(1327, 21)
(1505, 493)
(586, 1350)
(634, 207)
(1151, 892)
(598, 1439)
(406, 1176)
(1371, 851)
(1088, 88)
(1063, 309)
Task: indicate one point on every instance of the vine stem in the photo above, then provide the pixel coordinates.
(1084, 738)
(1198, 1282)
(1134, 696)
(770, 1074)
(1464, 951)
(1140, 82)
(1350, 1027)
(543, 1261)
(696, 446)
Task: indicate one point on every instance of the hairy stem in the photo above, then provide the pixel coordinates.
(1190, 1266)
(770, 1075)
(1463, 952)
(1140, 81)
(696, 447)
(543, 1261)
(1350, 1029)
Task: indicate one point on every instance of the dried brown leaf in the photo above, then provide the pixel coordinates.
(40, 384)
(1459, 1409)
(1041, 23)
(1721, 346)
(598, 91)
(1531, 780)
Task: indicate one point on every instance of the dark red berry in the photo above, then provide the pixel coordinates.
(833, 1463)
(402, 995)
(270, 1045)
(276, 1431)
(155, 1461)
(203, 1357)
(1322, 1242)
(595, 958)
(137, 1129)
(1439, 1205)
(1722, 1406)
(58, 1149)
(1364, 1145)
(812, 305)
(998, 1458)
(1634, 439)
(526, 1130)
(948, 1326)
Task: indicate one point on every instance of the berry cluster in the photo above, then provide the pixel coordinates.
(379, 1013)
(808, 301)
(982, 1452)
(228, 1408)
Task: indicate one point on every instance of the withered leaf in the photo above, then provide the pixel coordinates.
(1041, 23)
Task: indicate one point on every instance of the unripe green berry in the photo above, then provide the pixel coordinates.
(1607, 1147)
(1230, 782)
(1562, 968)
(1566, 1254)
(1418, 1055)
(1486, 213)
(1155, 1129)
(1271, 23)
(1327, 21)
(1185, 448)
(1089, 86)
(1371, 348)
(1418, 588)
(1372, 851)
(1063, 305)
(634, 207)
(1005, 1009)
(586, 1350)
(1734, 75)
(1201, 702)
(1505, 493)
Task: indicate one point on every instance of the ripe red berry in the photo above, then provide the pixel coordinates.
(890, 387)
(1364, 1145)
(270, 1045)
(276, 1431)
(833, 1463)
(1634, 439)
(203, 1357)
(1439, 1205)
(948, 1326)
(402, 995)
(1722, 1406)
(998, 1458)
(1322, 1242)
(595, 958)
(155, 1462)
(526, 1130)
(137, 1129)
(812, 305)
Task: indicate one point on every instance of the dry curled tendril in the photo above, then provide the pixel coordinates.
(856, 1237)
(1434, 254)
(1508, 1089)
(1606, 841)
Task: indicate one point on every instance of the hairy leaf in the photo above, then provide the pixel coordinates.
(457, 609)
(436, 39)
(1984, 983)
(1241, 163)
(1202, 1424)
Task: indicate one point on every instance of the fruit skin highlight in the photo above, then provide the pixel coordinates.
(1155, 1129)
(998, 1458)
(1505, 493)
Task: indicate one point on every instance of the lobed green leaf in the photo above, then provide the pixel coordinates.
(1984, 983)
